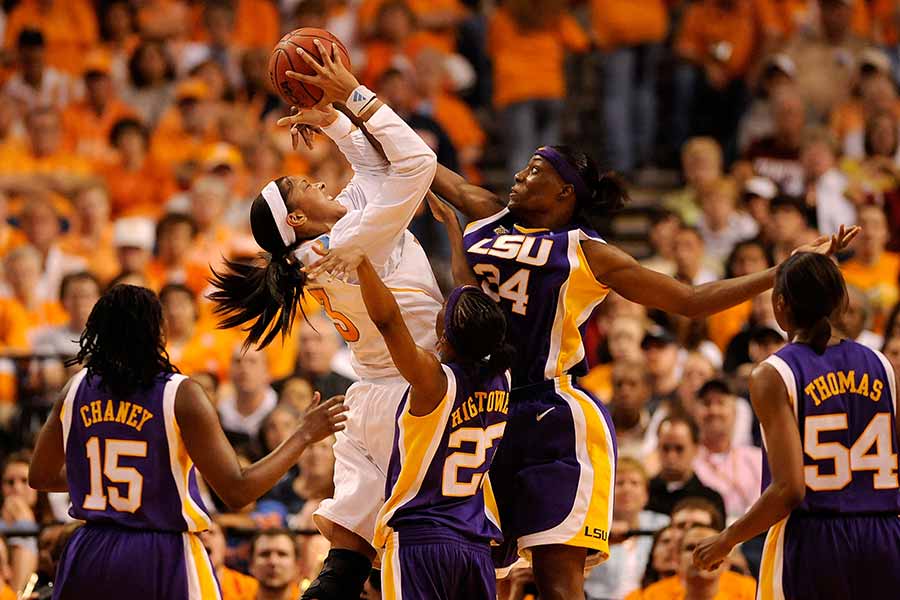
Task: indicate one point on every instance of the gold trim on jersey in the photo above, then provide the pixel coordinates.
(770, 570)
(418, 440)
(578, 297)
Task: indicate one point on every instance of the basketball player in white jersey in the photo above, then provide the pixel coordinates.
(297, 224)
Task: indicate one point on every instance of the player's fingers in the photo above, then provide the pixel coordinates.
(338, 418)
(326, 56)
(311, 61)
(339, 427)
(332, 402)
(313, 79)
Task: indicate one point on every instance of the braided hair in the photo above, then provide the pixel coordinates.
(476, 328)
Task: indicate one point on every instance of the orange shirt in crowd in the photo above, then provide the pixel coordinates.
(618, 23)
(171, 144)
(69, 28)
(732, 586)
(794, 15)
(208, 350)
(256, 24)
(138, 193)
(850, 117)
(367, 15)
(886, 18)
(19, 160)
(100, 257)
(723, 326)
(192, 275)
(13, 326)
(458, 120)
(10, 238)
(706, 24)
(598, 381)
(235, 585)
(878, 282)
(539, 53)
(88, 133)
(382, 56)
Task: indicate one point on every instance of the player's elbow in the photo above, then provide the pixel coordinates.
(39, 480)
(234, 499)
(793, 493)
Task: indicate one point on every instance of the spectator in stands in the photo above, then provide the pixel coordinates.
(758, 122)
(192, 346)
(663, 560)
(208, 199)
(70, 28)
(664, 224)
(732, 470)
(872, 268)
(891, 350)
(233, 584)
(318, 349)
(701, 165)
(118, 37)
(631, 391)
(217, 42)
(297, 393)
(138, 184)
(452, 114)
(756, 199)
(698, 583)
(151, 74)
(826, 59)
(679, 437)
(630, 44)
(790, 226)
(720, 224)
(696, 370)
(692, 511)
(747, 257)
(36, 84)
(718, 42)
(856, 319)
(78, 294)
(41, 226)
(133, 238)
(274, 554)
(23, 270)
(826, 186)
(663, 363)
(243, 411)
(90, 234)
(315, 483)
(175, 234)
(531, 37)
(777, 156)
(255, 96)
(690, 258)
(630, 537)
(184, 130)
(22, 509)
(275, 428)
(87, 124)
(623, 344)
(372, 588)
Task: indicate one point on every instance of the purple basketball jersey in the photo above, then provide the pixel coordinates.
(844, 401)
(438, 469)
(544, 284)
(125, 461)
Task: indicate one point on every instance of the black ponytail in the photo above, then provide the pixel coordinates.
(266, 291)
(608, 192)
(814, 289)
(480, 329)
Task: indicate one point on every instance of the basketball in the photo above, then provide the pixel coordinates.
(285, 58)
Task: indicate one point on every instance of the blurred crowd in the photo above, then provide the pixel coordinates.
(135, 133)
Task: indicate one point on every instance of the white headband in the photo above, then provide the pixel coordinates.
(273, 198)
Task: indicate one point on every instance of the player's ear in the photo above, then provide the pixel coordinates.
(296, 218)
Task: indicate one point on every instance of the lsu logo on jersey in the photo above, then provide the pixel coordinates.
(520, 248)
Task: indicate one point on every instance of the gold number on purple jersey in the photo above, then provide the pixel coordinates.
(97, 499)
(877, 433)
(483, 440)
(514, 289)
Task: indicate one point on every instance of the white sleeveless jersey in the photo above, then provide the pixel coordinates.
(381, 200)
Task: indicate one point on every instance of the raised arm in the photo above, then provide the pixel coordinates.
(418, 366)
(776, 415)
(46, 472)
(622, 273)
(215, 458)
(472, 201)
(462, 272)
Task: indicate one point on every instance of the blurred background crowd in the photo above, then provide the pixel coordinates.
(135, 133)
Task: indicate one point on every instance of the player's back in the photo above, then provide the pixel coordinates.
(543, 282)
(126, 463)
(845, 403)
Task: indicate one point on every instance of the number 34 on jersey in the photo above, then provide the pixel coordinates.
(520, 248)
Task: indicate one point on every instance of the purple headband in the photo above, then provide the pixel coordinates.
(450, 308)
(566, 170)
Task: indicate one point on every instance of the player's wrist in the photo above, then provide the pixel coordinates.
(360, 99)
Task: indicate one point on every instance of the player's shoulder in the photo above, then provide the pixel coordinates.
(499, 223)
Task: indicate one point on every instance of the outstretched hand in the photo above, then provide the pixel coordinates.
(331, 76)
(710, 552)
(340, 263)
(442, 212)
(304, 122)
(831, 245)
(323, 418)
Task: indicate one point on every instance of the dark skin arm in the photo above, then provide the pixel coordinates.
(47, 471)
(462, 272)
(470, 200)
(419, 367)
(622, 273)
(773, 407)
(215, 458)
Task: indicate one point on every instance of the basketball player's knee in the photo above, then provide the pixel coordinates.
(343, 576)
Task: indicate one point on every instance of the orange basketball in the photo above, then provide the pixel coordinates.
(285, 58)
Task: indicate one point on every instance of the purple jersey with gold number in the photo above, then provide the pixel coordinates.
(547, 290)
(125, 461)
(845, 403)
(437, 475)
